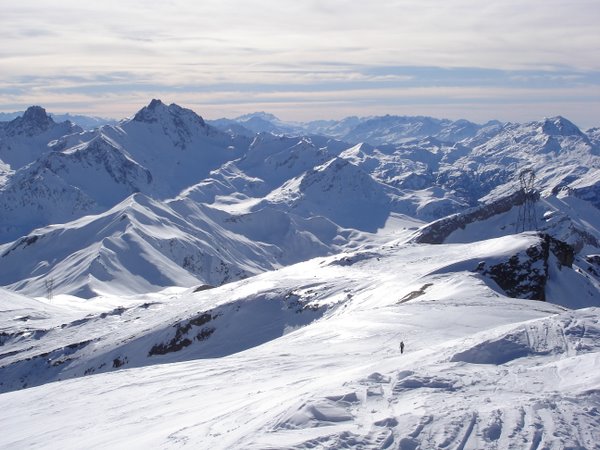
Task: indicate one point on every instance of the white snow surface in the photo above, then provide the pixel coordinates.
(308, 357)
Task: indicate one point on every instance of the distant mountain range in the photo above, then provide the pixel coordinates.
(168, 198)
(372, 130)
(85, 122)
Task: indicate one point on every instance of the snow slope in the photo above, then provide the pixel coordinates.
(307, 357)
(143, 245)
(175, 145)
(140, 245)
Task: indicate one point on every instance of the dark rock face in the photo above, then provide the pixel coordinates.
(156, 108)
(564, 252)
(182, 338)
(33, 122)
(148, 113)
(593, 265)
(438, 231)
(525, 275)
(37, 114)
(520, 278)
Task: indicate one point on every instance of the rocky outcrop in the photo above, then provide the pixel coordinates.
(33, 122)
(183, 338)
(524, 275)
(437, 231)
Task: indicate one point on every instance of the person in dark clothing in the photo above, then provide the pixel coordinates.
(401, 346)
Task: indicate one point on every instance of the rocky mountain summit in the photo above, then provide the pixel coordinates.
(26, 137)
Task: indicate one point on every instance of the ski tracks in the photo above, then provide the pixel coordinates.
(531, 400)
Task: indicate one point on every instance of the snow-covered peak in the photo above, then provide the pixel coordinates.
(260, 122)
(157, 111)
(258, 115)
(337, 174)
(337, 128)
(559, 126)
(150, 112)
(390, 129)
(339, 191)
(175, 145)
(538, 140)
(83, 121)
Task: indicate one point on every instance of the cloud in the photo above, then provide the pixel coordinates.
(100, 50)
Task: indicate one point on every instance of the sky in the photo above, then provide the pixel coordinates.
(512, 60)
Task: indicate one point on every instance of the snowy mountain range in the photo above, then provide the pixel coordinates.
(280, 252)
(372, 130)
(261, 201)
(82, 121)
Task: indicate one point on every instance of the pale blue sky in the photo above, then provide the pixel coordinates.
(510, 60)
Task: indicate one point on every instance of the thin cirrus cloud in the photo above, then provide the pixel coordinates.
(309, 59)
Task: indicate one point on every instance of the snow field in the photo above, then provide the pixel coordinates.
(480, 370)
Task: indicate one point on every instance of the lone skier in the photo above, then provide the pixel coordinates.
(401, 347)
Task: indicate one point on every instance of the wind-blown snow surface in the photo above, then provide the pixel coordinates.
(308, 357)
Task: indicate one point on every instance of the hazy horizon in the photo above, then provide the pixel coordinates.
(511, 61)
(54, 113)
